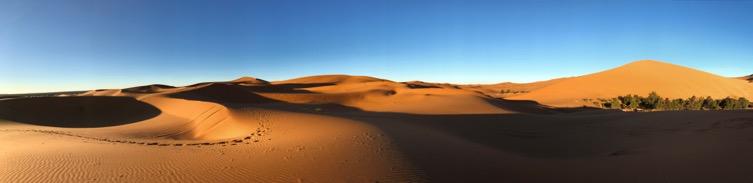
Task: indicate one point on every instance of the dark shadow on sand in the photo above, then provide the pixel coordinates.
(76, 112)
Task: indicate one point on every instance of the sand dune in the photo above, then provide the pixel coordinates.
(340, 128)
(103, 92)
(508, 89)
(148, 88)
(297, 147)
(249, 81)
(330, 79)
(219, 93)
(748, 78)
(639, 78)
(378, 95)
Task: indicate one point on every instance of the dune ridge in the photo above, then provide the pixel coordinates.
(748, 78)
(331, 79)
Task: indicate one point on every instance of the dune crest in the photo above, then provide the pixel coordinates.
(331, 79)
(249, 80)
(748, 78)
(154, 88)
(220, 93)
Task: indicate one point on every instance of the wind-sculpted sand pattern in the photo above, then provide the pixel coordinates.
(255, 136)
(292, 156)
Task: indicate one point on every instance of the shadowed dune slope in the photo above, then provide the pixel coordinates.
(148, 88)
(639, 78)
(220, 93)
(748, 78)
(76, 112)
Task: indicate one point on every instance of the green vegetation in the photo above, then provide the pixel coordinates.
(655, 102)
(512, 91)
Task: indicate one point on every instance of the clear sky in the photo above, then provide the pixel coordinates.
(77, 45)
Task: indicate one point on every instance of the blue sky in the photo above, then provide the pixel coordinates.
(78, 45)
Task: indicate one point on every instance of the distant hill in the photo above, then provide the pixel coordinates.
(48, 94)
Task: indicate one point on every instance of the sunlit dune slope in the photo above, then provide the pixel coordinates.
(250, 81)
(379, 95)
(193, 128)
(639, 78)
(209, 110)
(330, 79)
(507, 89)
(206, 141)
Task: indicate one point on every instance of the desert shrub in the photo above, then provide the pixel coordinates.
(630, 101)
(710, 104)
(743, 103)
(623, 100)
(662, 104)
(512, 91)
(693, 103)
(676, 104)
(655, 102)
(613, 103)
(728, 103)
(651, 101)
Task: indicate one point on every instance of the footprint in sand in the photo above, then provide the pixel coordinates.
(259, 132)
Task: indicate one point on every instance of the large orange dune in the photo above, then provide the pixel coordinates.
(379, 95)
(342, 128)
(639, 78)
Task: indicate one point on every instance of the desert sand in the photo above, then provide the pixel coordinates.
(341, 128)
(641, 78)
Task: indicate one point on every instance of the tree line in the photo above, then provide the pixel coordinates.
(655, 102)
(512, 91)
